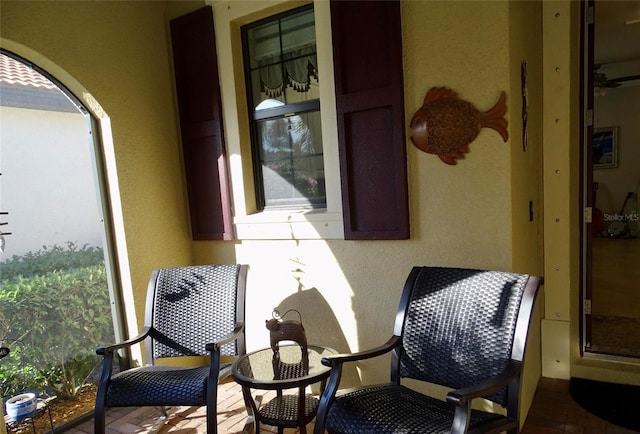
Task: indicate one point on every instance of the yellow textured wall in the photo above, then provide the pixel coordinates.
(347, 291)
(117, 54)
(468, 51)
(526, 156)
(526, 167)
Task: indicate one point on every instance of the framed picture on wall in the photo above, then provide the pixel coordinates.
(605, 147)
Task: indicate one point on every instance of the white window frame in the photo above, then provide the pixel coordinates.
(325, 223)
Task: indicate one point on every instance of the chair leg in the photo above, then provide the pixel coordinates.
(100, 409)
(212, 422)
(212, 410)
(99, 419)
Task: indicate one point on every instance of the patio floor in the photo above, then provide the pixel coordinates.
(232, 417)
(553, 411)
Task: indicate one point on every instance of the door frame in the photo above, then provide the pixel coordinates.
(587, 63)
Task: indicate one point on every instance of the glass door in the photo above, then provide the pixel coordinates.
(612, 179)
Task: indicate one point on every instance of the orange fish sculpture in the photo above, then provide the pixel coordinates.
(445, 125)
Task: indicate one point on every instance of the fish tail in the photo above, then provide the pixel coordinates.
(494, 117)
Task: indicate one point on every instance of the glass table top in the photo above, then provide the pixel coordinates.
(286, 368)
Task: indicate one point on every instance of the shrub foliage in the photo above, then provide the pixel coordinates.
(54, 310)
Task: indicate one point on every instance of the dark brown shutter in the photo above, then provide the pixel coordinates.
(200, 108)
(367, 50)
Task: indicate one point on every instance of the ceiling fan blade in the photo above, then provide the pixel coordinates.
(627, 78)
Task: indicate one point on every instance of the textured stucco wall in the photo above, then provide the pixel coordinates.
(115, 57)
(526, 167)
(461, 215)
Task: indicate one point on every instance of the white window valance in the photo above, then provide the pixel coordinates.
(295, 73)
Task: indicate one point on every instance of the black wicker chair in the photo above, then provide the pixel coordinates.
(459, 328)
(191, 311)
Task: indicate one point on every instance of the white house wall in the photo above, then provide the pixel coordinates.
(47, 184)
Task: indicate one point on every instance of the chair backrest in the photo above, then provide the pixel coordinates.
(188, 307)
(460, 326)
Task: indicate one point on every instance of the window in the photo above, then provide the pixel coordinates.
(281, 72)
(359, 151)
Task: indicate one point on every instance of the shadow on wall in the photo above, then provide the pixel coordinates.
(326, 331)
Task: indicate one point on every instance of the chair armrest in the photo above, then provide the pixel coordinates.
(462, 398)
(464, 395)
(336, 362)
(214, 360)
(338, 359)
(215, 346)
(107, 365)
(105, 351)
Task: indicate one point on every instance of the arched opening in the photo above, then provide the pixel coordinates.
(59, 291)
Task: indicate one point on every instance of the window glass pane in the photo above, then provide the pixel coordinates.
(283, 73)
(298, 33)
(302, 77)
(299, 56)
(264, 44)
(282, 59)
(306, 133)
(265, 60)
(267, 84)
(292, 162)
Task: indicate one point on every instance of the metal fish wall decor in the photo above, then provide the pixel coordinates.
(445, 125)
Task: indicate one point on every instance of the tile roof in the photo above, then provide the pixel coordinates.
(13, 72)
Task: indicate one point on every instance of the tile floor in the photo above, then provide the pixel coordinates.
(553, 411)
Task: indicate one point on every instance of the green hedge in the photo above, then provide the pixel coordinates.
(51, 259)
(54, 311)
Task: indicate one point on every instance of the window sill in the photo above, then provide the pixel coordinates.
(290, 225)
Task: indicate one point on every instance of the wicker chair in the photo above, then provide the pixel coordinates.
(459, 328)
(191, 311)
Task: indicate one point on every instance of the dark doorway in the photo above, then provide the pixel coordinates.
(611, 176)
